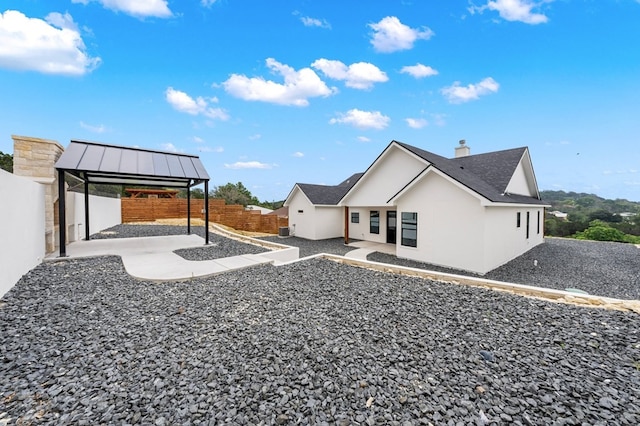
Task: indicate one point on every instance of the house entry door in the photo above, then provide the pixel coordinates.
(391, 227)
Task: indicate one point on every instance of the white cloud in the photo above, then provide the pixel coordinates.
(197, 139)
(207, 3)
(255, 137)
(217, 149)
(390, 35)
(101, 128)
(419, 71)
(182, 102)
(313, 22)
(168, 146)
(416, 123)
(50, 46)
(515, 10)
(137, 8)
(457, 94)
(248, 165)
(298, 154)
(619, 172)
(363, 139)
(362, 119)
(298, 86)
(439, 119)
(360, 75)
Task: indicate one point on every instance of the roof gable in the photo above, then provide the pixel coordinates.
(397, 166)
(486, 174)
(327, 195)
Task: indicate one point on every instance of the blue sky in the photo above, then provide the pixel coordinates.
(275, 92)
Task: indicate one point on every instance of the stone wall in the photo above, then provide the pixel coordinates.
(35, 158)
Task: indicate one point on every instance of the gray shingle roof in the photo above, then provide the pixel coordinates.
(486, 174)
(101, 163)
(328, 195)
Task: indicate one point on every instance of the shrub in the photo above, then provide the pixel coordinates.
(601, 231)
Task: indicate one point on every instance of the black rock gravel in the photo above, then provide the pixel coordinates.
(315, 342)
(135, 231)
(311, 247)
(600, 268)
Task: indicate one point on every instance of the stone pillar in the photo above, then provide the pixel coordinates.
(35, 158)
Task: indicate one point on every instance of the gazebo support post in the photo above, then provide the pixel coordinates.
(206, 212)
(189, 210)
(346, 225)
(62, 220)
(87, 236)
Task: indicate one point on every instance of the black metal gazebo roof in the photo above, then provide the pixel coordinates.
(99, 163)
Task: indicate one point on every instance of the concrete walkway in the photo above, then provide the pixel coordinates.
(152, 258)
(364, 248)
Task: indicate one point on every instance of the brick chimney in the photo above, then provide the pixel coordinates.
(462, 150)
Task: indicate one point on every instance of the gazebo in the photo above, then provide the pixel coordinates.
(93, 162)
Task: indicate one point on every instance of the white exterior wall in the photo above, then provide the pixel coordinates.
(303, 224)
(385, 179)
(450, 225)
(104, 213)
(22, 226)
(360, 231)
(504, 241)
(329, 222)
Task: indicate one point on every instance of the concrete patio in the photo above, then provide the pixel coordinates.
(153, 258)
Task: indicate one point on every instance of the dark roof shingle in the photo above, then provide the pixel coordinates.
(486, 174)
(328, 195)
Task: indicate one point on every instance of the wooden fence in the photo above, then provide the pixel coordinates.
(235, 216)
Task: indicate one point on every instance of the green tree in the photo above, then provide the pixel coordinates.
(234, 194)
(196, 193)
(6, 162)
(604, 215)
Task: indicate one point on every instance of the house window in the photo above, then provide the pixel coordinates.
(355, 217)
(409, 229)
(527, 224)
(300, 211)
(374, 222)
(518, 220)
(538, 227)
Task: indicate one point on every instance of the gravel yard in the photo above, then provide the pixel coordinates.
(314, 342)
(310, 247)
(600, 268)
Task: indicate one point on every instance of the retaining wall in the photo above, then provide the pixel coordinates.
(22, 227)
(104, 213)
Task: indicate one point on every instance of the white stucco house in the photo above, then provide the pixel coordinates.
(470, 212)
